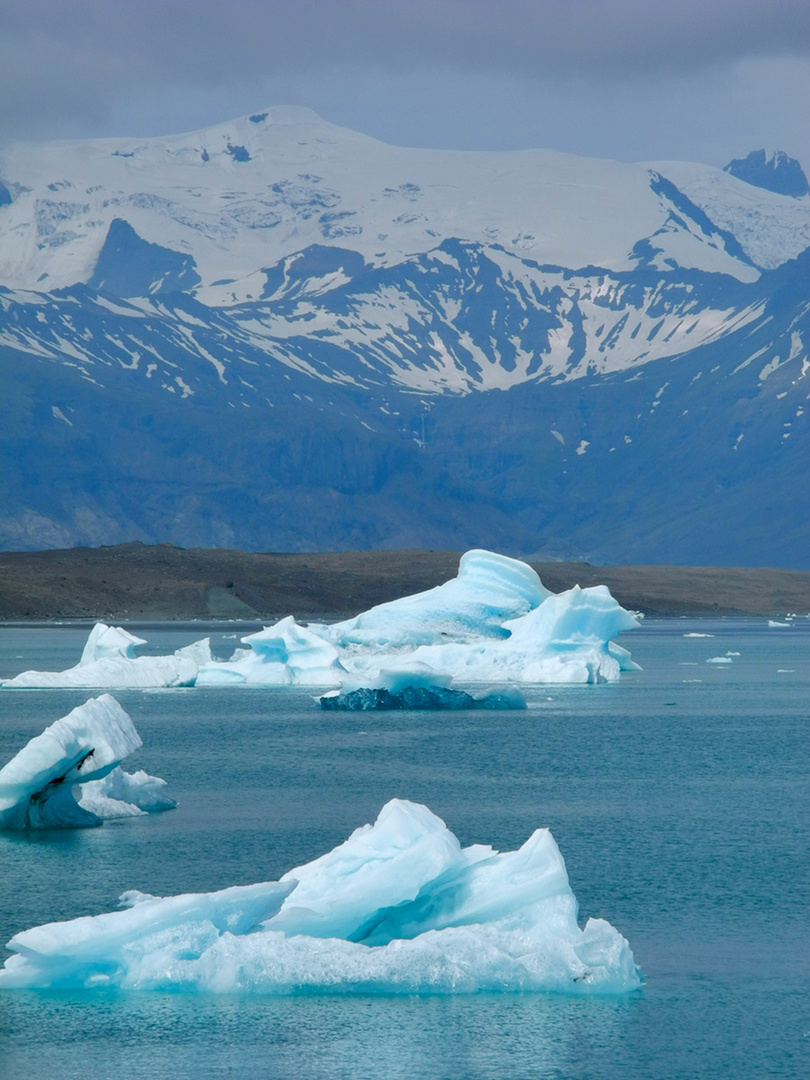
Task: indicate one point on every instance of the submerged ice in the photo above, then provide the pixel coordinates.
(70, 775)
(399, 907)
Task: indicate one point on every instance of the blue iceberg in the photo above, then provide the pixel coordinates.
(493, 623)
(70, 775)
(400, 907)
(108, 660)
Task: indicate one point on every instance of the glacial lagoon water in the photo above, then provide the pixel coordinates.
(679, 797)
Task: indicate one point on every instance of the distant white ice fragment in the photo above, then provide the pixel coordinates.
(719, 660)
(69, 776)
(400, 907)
(109, 661)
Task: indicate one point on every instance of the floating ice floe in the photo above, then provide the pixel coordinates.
(400, 907)
(69, 776)
(720, 660)
(109, 660)
(493, 623)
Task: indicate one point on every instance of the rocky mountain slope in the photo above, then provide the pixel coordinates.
(280, 335)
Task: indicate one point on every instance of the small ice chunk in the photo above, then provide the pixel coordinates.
(416, 686)
(36, 786)
(69, 776)
(122, 794)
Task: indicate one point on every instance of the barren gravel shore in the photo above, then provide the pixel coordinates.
(138, 582)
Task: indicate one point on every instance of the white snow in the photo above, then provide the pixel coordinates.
(770, 228)
(69, 776)
(399, 907)
(307, 182)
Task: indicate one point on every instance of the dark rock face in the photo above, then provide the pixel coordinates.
(773, 170)
(130, 266)
(169, 421)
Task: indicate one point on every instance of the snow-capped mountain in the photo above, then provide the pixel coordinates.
(277, 333)
(241, 196)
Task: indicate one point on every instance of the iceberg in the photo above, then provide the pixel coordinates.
(109, 660)
(489, 590)
(281, 655)
(494, 622)
(400, 907)
(78, 755)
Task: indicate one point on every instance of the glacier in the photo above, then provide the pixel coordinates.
(70, 775)
(109, 660)
(398, 908)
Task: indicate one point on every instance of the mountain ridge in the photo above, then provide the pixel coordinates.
(348, 393)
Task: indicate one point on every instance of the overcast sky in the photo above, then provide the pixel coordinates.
(704, 80)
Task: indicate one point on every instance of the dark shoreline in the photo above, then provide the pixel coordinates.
(136, 582)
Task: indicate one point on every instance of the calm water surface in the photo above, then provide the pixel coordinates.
(678, 796)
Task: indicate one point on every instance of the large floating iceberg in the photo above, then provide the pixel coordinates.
(400, 907)
(494, 622)
(109, 660)
(69, 776)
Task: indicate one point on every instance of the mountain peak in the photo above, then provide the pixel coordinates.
(773, 170)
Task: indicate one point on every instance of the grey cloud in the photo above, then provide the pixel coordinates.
(80, 66)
